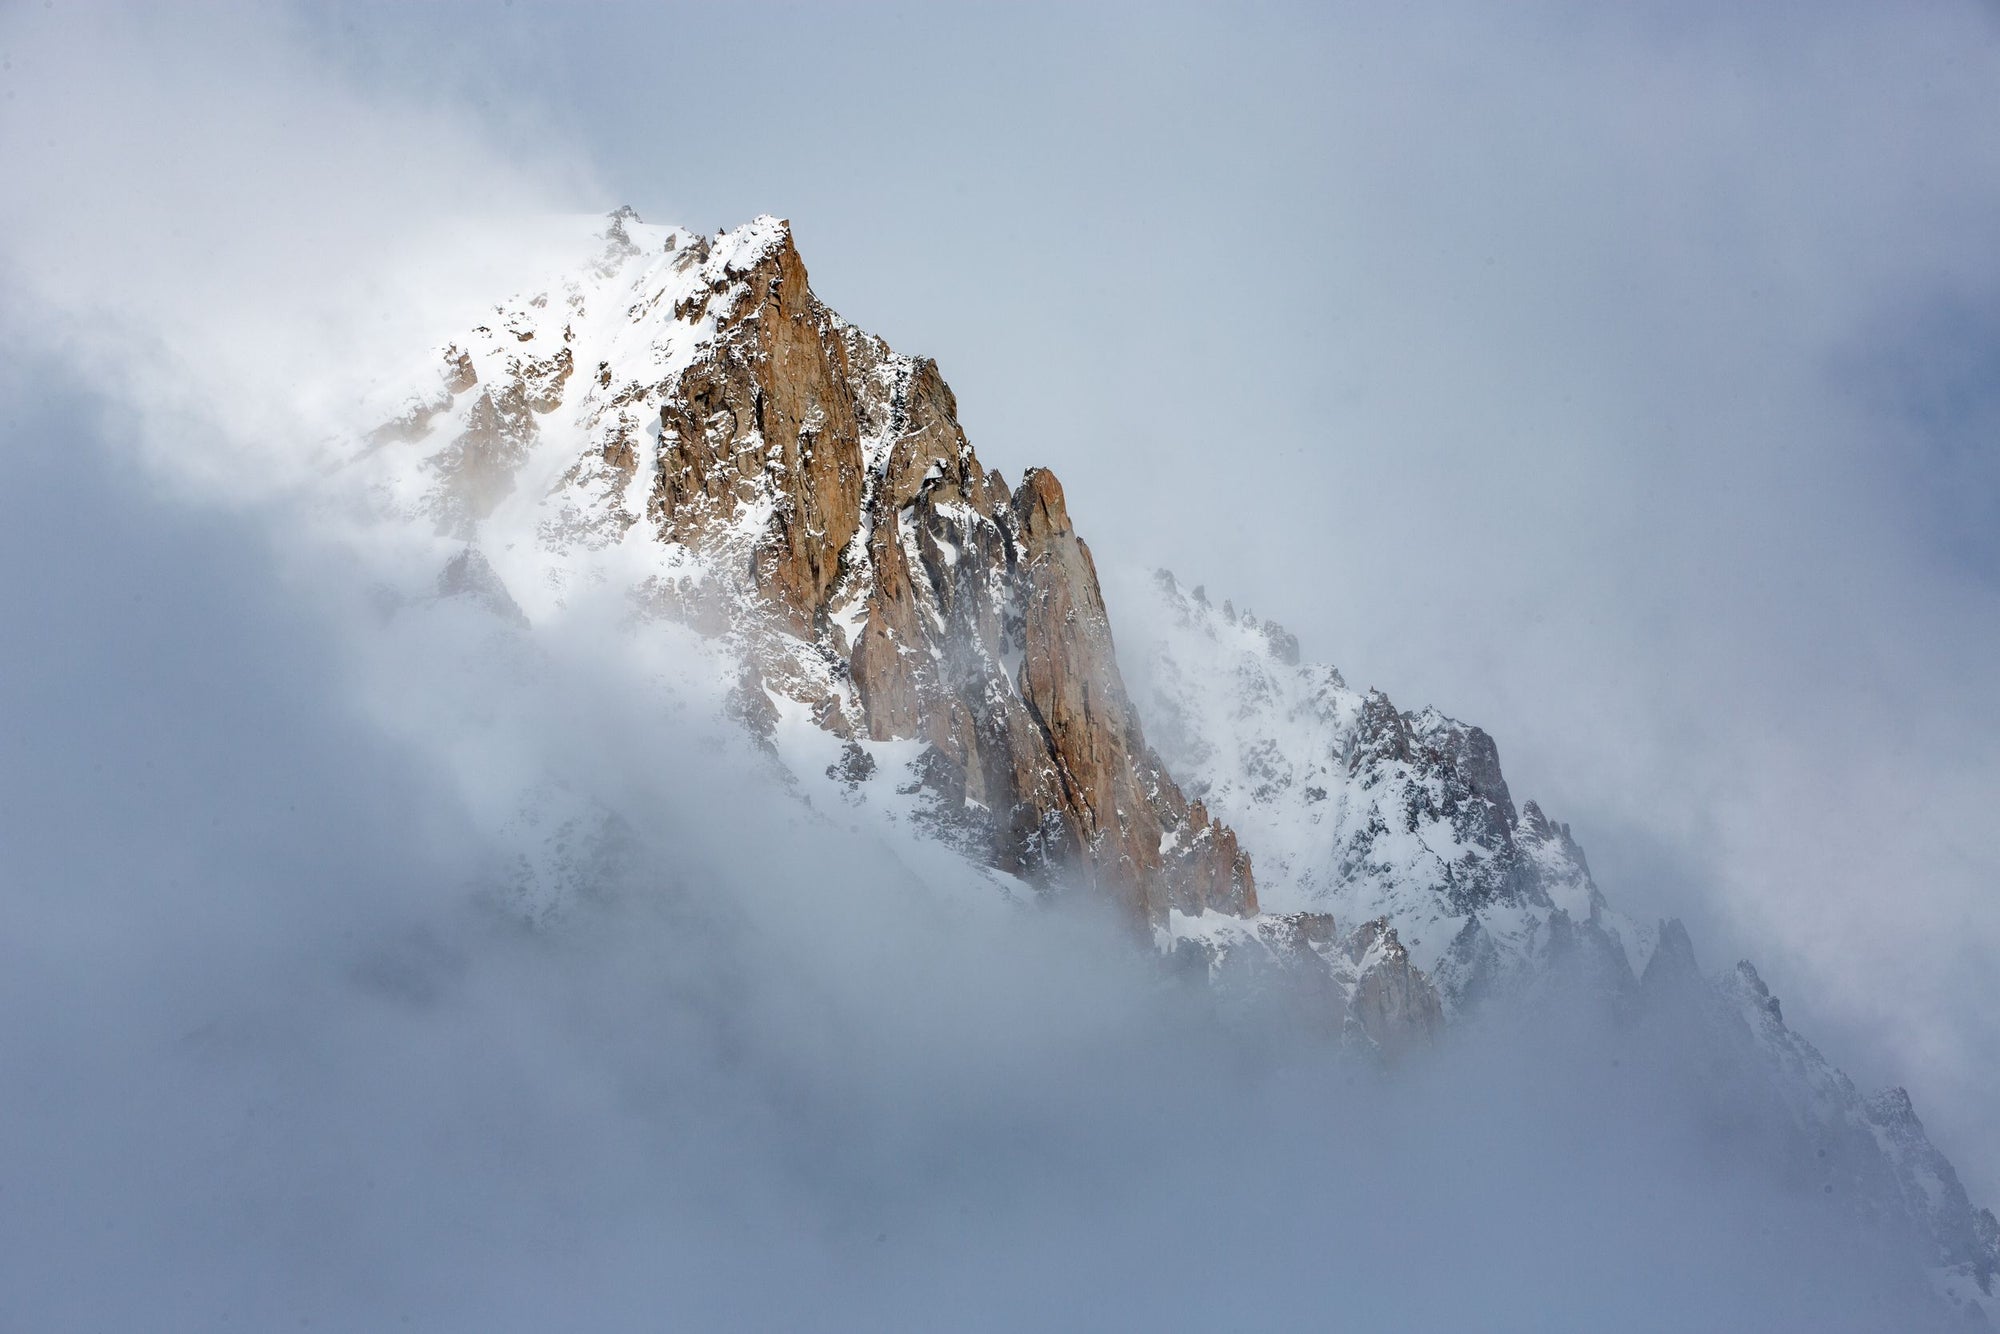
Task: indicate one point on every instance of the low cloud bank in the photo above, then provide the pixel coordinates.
(282, 1052)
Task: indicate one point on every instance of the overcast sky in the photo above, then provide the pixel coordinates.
(1626, 384)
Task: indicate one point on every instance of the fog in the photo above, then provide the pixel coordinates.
(281, 1053)
(283, 1048)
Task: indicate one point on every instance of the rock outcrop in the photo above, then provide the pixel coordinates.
(1358, 986)
(1405, 822)
(814, 500)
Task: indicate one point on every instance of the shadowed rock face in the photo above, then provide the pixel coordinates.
(948, 609)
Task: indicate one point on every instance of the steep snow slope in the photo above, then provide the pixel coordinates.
(488, 441)
(682, 427)
(1355, 808)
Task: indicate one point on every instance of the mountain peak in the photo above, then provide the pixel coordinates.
(1892, 1107)
(688, 411)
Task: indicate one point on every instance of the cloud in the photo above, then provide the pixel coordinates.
(280, 1062)
(225, 230)
(283, 1060)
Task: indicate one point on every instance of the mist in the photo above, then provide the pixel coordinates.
(284, 1052)
(1617, 381)
(289, 1046)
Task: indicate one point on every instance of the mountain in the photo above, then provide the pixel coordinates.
(1356, 809)
(792, 484)
(914, 642)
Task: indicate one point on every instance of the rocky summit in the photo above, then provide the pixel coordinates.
(905, 635)
(813, 499)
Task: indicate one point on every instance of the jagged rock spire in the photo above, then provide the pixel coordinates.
(827, 514)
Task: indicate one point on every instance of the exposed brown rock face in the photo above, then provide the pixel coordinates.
(832, 477)
(770, 415)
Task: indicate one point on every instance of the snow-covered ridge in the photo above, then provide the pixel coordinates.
(1352, 807)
